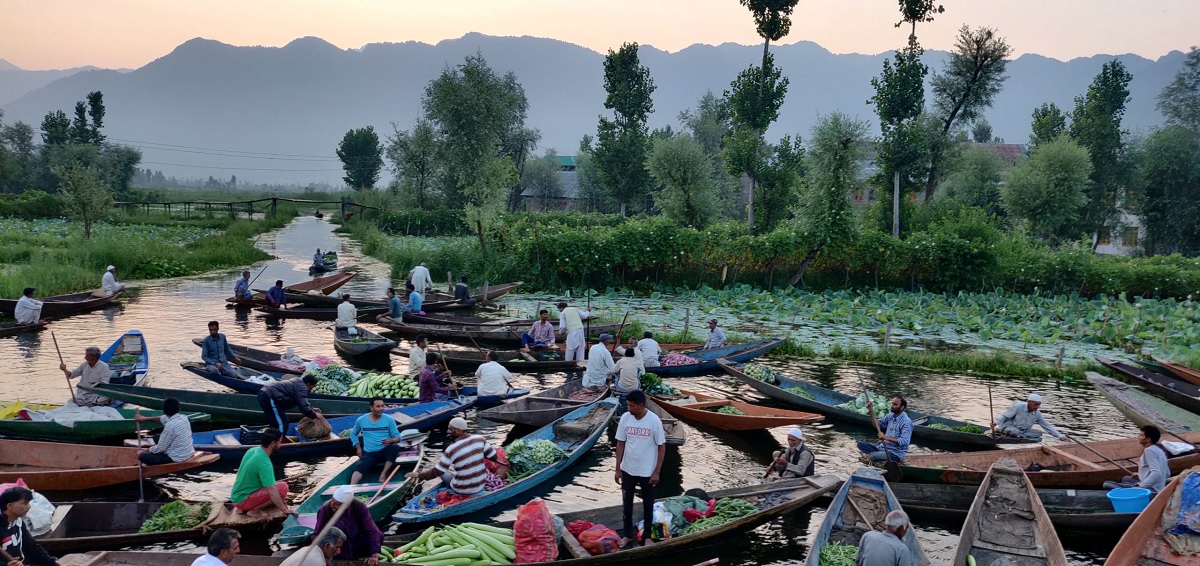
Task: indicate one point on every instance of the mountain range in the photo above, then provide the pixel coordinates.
(191, 109)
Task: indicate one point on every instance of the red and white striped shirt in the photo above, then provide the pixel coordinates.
(464, 458)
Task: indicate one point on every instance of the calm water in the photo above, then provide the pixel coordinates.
(172, 312)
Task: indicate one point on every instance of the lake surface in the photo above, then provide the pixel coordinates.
(174, 311)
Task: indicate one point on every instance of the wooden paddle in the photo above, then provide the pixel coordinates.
(264, 270)
(70, 389)
(446, 363)
(137, 427)
(324, 531)
(1106, 458)
(395, 468)
(622, 327)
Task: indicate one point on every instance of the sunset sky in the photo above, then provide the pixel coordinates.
(52, 34)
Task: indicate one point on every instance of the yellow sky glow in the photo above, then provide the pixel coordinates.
(53, 34)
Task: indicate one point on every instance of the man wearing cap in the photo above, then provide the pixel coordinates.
(716, 336)
(795, 462)
(363, 538)
(108, 283)
(461, 466)
(379, 444)
(1019, 419)
(599, 364)
(421, 280)
(28, 310)
(570, 322)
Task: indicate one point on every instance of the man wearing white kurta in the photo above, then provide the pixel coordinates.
(28, 310)
(492, 378)
(570, 322)
(599, 364)
(650, 350)
(347, 314)
(421, 278)
(108, 283)
(416, 356)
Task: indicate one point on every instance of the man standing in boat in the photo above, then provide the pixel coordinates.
(887, 548)
(215, 352)
(1153, 469)
(91, 372)
(420, 278)
(896, 428)
(795, 462)
(570, 323)
(1019, 419)
(641, 447)
(241, 289)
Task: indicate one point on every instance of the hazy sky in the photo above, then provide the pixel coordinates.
(51, 34)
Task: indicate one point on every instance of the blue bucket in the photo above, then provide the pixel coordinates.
(1129, 499)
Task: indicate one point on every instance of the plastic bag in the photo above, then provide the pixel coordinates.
(533, 533)
(41, 515)
(661, 529)
(577, 527)
(599, 539)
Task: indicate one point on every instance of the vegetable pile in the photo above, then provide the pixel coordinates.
(468, 544)
(332, 380)
(967, 428)
(837, 554)
(386, 385)
(652, 384)
(526, 457)
(176, 516)
(124, 360)
(727, 509)
(859, 404)
(760, 372)
(673, 359)
(801, 392)
(727, 410)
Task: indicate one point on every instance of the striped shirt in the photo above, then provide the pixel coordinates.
(176, 438)
(465, 457)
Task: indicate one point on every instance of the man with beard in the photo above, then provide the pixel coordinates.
(897, 433)
(461, 466)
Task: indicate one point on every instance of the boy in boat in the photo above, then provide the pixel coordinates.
(18, 542)
(1153, 469)
(795, 462)
(887, 548)
(433, 381)
(1019, 419)
(255, 490)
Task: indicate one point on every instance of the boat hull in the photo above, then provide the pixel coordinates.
(870, 480)
(542, 408)
(76, 467)
(754, 417)
(64, 305)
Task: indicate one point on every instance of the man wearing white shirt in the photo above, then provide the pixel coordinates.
(716, 336)
(641, 447)
(108, 283)
(223, 547)
(421, 278)
(28, 310)
(347, 314)
(570, 322)
(416, 356)
(650, 350)
(492, 378)
(600, 363)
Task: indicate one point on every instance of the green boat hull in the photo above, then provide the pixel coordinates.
(232, 408)
(85, 430)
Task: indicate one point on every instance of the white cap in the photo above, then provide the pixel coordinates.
(796, 433)
(459, 423)
(343, 494)
(110, 268)
(1035, 397)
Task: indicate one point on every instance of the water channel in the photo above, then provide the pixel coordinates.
(173, 311)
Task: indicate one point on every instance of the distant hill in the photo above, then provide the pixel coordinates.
(16, 82)
(6, 66)
(301, 98)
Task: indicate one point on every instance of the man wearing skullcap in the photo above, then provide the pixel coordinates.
(461, 466)
(363, 538)
(1019, 419)
(109, 283)
(795, 462)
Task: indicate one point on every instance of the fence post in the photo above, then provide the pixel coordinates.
(274, 205)
(449, 282)
(232, 214)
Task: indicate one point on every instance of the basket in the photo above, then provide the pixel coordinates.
(1129, 499)
(251, 435)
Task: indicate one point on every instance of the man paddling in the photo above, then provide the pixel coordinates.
(896, 428)
(241, 289)
(887, 548)
(91, 372)
(1019, 419)
(1153, 469)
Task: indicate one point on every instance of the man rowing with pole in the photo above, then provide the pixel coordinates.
(896, 433)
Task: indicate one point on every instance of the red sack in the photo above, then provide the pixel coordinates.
(501, 463)
(578, 526)
(712, 508)
(599, 539)
(446, 498)
(691, 515)
(533, 533)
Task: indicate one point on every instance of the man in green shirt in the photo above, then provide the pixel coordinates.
(255, 486)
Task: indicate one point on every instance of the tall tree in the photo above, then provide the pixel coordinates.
(981, 131)
(687, 193)
(779, 179)
(1168, 203)
(755, 97)
(624, 141)
(1048, 123)
(974, 180)
(543, 181)
(56, 128)
(590, 194)
(1096, 125)
(972, 77)
(413, 154)
(518, 141)
(1180, 100)
(1049, 190)
(95, 101)
(362, 158)
(709, 124)
(84, 194)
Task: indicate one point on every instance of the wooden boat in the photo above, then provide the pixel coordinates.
(575, 433)
(1063, 466)
(826, 401)
(1007, 523)
(709, 360)
(1143, 543)
(258, 300)
(325, 285)
(702, 409)
(361, 344)
(524, 362)
(1181, 371)
(542, 408)
(101, 525)
(330, 261)
(298, 528)
(328, 301)
(46, 466)
(62, 305)
(84, 431)
(227, 444)
(773, 500)
(318, 313)
(864, 500)
(510, 334)
(1142, 408)
(675, 432)
(1177, 391)
(131, 343)
(133, 558)
(265, 360)
(450, 319)
(493, 292)
(13, 328)
(1077, 510)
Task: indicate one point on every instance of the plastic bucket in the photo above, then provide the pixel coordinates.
(1129, 499)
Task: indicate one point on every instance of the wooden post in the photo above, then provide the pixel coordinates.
(187, 211)
(449, 282)
(274, 205)
(687, 323)
(1058, 359)
(887, 335)
(485, 291)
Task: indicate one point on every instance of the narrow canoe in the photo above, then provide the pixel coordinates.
(753, 417)
(1076, 510)
(542, 408)
(505, 334)
(826, 401)
(866, 492)
(364, 343)
(709, 360)
(1179, 370)
(778, 499)
(56, 467)
(450, 319)
(63, 305)
(318, 313)
(524, 362)
(299, 527)
(1007, 523)
(13, 328)
(131, 343)
(327, 301)
(264, 360)
(246, 303)
(227, 444)
(1143, 543)
(574, 433)
(493, 292)
(133, 558)
(1177, 391)
(674, 430)
(325, 285)
(1064, 465)
(1142, 408)
(85, 431)
(102, 525)
(319, 268)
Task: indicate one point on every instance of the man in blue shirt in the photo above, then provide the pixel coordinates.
(379, 444)
(415, 302)
(275, 295)
(395, 306)
(241, 289)
(215, 352)
(897, 433)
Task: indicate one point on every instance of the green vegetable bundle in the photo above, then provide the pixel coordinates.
(971, 429)
(727, 410)
(727, 510)
(468, 544)
(176, 516)
(124, 360)
(838, 554)
(652, 384)
(527, 457)
(883, 405)
(760, 372)
(800, 391)
(386, 385)
(940, 426)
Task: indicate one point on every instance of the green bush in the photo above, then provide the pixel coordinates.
(31, 204)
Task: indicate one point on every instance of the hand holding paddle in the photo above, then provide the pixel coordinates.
(63, 366)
